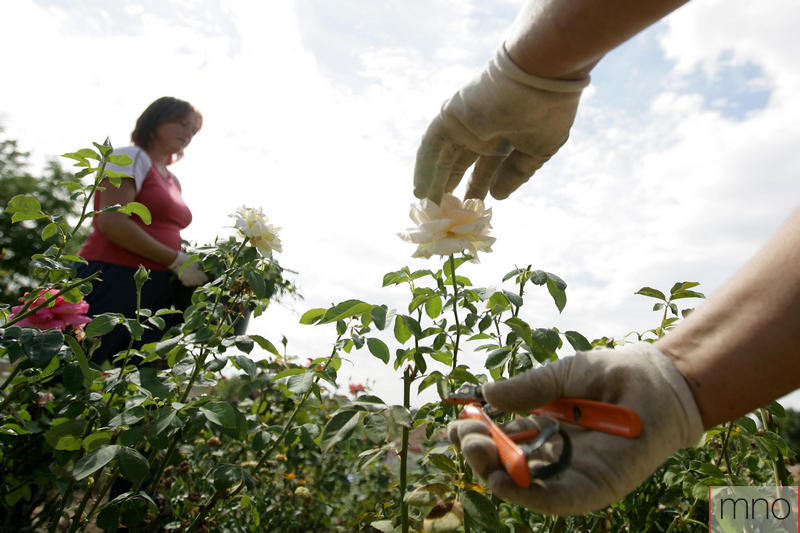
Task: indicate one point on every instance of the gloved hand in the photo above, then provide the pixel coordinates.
(604, 468)
(510, 121)
(192, 274)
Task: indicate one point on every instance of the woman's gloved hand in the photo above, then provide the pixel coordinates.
(604, 468)
(191, 275)
(510, 121)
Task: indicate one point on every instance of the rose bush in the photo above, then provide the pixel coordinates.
(216, 430)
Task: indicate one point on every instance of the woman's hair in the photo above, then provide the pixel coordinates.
(165, 109)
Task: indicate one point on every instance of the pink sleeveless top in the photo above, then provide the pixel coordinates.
(169, 216)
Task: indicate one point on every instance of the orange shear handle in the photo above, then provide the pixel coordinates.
(601, 416)
(512, 457)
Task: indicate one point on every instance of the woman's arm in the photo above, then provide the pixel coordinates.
(124, 232)
(565, 40)
(741, 349)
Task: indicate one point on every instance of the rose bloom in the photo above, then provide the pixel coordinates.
(450, 227)
(254, 225)
(355, 388)
(58, 314)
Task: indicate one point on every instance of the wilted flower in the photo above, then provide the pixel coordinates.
(58, 314)
(450, 227)
(254, 225)
(355, 388)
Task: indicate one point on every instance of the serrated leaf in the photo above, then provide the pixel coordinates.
(345, 309)
(312, 315)
(102, 324)
(379, 349)
(220, 413)
(133, 465)
(138, 209)
(433, 306)
(246, 364)
(265, 344)
(652, 293)
(578, 342)
(94, 461)
(339, 427)
(401, 331)
(497, 358)
(557, 292)
(300, 383)
(481, 509)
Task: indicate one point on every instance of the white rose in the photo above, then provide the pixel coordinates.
(450, 228)
(254, 224)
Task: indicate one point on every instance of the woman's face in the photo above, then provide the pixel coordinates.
(174, 137)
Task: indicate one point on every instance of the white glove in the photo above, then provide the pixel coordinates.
(190, 275)
(604, 468)
(510, 121)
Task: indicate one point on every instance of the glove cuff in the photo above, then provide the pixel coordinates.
(180, 259)
(504, 64)
(694, 427)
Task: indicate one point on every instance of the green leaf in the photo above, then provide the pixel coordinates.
(401, 331)
(257, 283)
(497, 358)
(42, 346)
(130, 417)
(481, 509)
(443, 463)
(67, 435)
(312, 315)
(652, 293)
(49, 230)
(300, 383)
(683, 285)
(226, 476)
(376, 428)
(557, 292)
(94, 461)
(578, 341)
(220, 413)
(148, 377)
(244, 343)
(97, 439)
(345, 309)
(102, 324)
(433, 306)
(339, 427)
(379, 349)
(138, 209)
(413, 326)
(133, 465)
(246, 364)
(23, 202)
(378, 315)
(122, 160)
(687, 294)
(400, 415)
(265, 344)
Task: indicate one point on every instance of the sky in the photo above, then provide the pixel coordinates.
(682, 161)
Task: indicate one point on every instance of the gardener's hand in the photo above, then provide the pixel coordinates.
(191, 275)
(604, 468)
(510, 121)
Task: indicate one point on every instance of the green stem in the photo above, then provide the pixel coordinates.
(455, 311)
(408, 377)
(776, 473)
(62, 505)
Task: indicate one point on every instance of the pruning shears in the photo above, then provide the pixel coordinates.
(516, 449)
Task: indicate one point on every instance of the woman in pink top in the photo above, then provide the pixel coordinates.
(119, 244)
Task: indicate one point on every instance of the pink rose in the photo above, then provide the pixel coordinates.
(355, 388)
(58, 314)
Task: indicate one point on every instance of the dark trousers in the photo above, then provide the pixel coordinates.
(115, 292)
